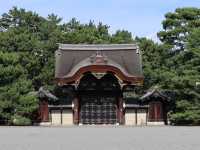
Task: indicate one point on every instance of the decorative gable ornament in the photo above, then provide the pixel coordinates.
(98, 75)
(98, 58)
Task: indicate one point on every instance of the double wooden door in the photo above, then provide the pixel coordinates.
(98, 110)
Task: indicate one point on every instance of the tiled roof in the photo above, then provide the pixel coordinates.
(126, 56)
(98, 47)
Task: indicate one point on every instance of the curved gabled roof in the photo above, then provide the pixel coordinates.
(87, 62)
(154, 93)
(74, 59)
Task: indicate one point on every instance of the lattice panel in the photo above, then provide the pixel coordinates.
(98, 113)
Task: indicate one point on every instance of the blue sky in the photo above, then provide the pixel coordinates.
(141, 17)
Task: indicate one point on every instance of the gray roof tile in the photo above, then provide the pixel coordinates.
(69, 56)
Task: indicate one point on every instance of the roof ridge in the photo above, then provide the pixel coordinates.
(98, 46)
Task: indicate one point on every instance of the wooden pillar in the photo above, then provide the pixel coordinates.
(147, 115)
(136, 116)
(156, 111)
(121, 119)
(44, 111)
(76, 111)
(165, 114)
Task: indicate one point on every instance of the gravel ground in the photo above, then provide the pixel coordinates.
(100, 138)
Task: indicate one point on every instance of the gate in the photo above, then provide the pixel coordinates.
(98, 111)
(98, 99)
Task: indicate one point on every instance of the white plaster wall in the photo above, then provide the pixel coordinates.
(130, 117)
(141, 117)
(67, 117)
(56, 117)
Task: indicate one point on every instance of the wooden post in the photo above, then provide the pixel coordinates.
(156, 111)
(120, 111)
(44, 111)
(136, 116)
(76, 111)
(146, 115)
(165, 114)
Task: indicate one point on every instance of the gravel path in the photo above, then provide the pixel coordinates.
(99, 138)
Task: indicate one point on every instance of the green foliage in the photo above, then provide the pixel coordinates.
(186, 114)
(193, 39)
(121, 37)
(15, 88)
(15, 98)
(21, 121)
(174, 65)
(27, 59)
(178, 25)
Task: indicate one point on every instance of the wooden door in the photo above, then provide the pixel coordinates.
(156, 111)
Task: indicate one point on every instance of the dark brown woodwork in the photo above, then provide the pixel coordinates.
(44, 111)
(165, 113)
(121, 118)
(100, 69)
(156, 111)
(76, 111)
(136, 114)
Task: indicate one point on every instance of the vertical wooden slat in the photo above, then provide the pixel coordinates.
(156, 112)
(146, 116)
(61, 112)
(164, 113)
(136, 115)
(151, 112)
(159, 115)
(44, 111)
(121, 111)
(76, 111)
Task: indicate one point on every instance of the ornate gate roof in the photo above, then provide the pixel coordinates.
(72, 60)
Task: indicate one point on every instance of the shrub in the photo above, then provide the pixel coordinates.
(21, 121)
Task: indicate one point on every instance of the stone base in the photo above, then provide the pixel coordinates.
(44, 124)
(160, 123)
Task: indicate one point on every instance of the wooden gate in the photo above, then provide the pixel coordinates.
(98, 111)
